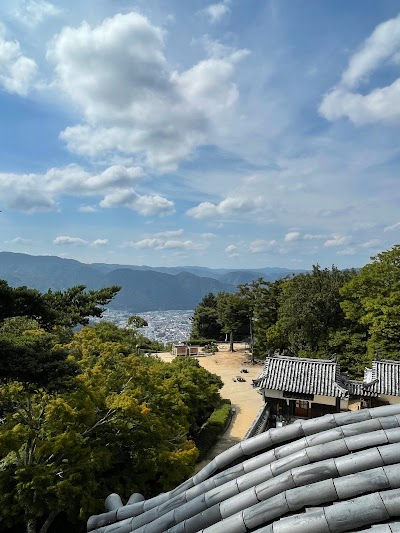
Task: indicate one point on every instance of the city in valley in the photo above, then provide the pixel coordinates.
(164, 326)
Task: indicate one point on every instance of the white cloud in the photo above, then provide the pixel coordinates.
(39, 192)
(373, 243)
(170, 233)
(216, 12)
(100, 242)
(313, 236)
(131, 99)
(232, 250)
(229, 206)
(208, 235)
(20, 241)
(380, 104)
(145, 205)
(392, 227)
(383, 44)
(292, 236)
(161, 244)
(259, 246)
(347, 251)
(336, 240)
(87, 209)
(17, 72)
(65, 240)
(33, 12)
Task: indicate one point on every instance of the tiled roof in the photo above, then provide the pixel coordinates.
(306, 376)
(382, 378)
(385, 378)
(339, 472)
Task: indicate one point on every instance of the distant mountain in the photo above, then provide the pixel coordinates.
(144, 288)
(47, 272)
(225, 275)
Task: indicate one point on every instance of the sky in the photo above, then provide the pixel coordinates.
(238, 134)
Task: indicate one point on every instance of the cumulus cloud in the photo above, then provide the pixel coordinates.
(145, 205)
(292, 236)
(66, 240)
(39, 192)
(259, 246)
(232, 250)
(381, 103)
(162, 244)
(216, 12)
(33, 12)
(100, 242)
(132, 101)
(227, 207)
(17, 72)
(336, 240)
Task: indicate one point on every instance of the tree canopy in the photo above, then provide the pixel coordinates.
(82, 415)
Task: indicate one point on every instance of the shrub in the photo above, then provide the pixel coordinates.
(211, 430)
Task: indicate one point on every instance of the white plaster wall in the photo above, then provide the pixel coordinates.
(270, 393)
(325, 400)
(390, 399)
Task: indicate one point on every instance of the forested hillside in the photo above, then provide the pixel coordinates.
(143, 288)
(351, 315)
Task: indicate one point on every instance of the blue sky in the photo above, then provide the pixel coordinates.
(238, 134)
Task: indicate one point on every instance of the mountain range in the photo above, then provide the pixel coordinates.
(144, 288)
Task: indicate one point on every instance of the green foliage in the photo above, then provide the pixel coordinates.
(136, 321)
(122, 427)
(210, 432)
(65, 309)
(75, 305)
(211, 347)
(310, 309)
(372, 300)
(31, 355)
(234, 315)
(263, 300)
(205, 319)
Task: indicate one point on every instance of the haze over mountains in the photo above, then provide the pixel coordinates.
(144, 288)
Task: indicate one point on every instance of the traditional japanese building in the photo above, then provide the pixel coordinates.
(295, 386)
(381, 383)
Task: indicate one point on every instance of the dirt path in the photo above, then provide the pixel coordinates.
(245, 400)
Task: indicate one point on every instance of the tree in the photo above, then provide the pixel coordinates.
(33, 356)
(372, 300)
(136, 321)
(75, 305)
(233, 313)
(205, 319)
(66, 309)
(262, 299)
(123, 427)
(310, 311)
